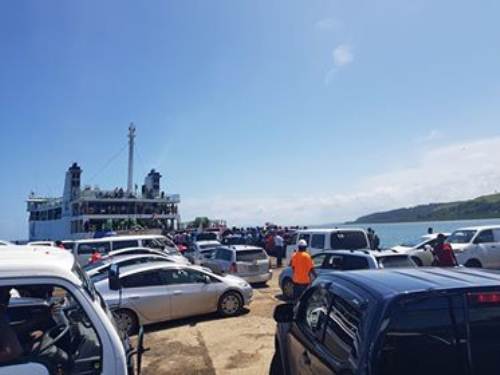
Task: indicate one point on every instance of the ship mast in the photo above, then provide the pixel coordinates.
(131, 136)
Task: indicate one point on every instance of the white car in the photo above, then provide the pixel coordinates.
(420, 250)
(201, 250)
(477, 246)
(319, 240)
(6, 243)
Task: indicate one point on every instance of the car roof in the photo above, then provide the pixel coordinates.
(388, 283)
(480, 227)
(120, 238)
(146, 250)
(330, 230)
(135, 268)
(244, 247)
(32, 261)
(207, 242)
(125, 257)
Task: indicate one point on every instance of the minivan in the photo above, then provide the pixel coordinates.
(477, 246)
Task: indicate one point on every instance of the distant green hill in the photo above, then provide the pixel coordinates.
(484, 207)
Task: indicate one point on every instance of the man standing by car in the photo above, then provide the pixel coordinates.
(302, 268)
(443, 253)
(278, 249)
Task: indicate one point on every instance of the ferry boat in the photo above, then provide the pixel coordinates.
(89, 212)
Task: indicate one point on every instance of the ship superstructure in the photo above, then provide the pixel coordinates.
(83, 212)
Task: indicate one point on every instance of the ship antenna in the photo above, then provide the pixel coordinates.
(131, 136)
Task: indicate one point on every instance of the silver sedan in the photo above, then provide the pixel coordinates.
(157, 292)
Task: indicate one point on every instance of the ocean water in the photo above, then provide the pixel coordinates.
(398, 233)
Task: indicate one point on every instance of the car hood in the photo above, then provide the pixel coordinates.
(234, 280)
(179, 259)
(402, 249)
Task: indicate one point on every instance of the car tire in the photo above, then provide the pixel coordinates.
(127, 319)
(288, 289)
(230, 304)
(473, 263)
(276, 365)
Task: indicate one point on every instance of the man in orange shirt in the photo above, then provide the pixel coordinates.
(302, 268)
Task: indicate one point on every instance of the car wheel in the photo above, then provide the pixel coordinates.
(127, 320)
(473, 263)
(230, 304)
(288, 289)
(276, 365)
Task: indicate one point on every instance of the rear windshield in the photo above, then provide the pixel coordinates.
(395, 261)
(250, 255)
(349, 240)
(461, 236)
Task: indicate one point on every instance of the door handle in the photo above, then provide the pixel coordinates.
(306, 358)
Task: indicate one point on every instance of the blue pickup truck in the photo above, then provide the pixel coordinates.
(392, 322)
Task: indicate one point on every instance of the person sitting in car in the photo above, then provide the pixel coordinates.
(10, 347)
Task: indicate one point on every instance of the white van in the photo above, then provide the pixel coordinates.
(44, 289)
(82, 249)
(319, 240)
(477, 246)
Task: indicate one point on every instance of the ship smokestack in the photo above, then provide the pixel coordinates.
(131, 136)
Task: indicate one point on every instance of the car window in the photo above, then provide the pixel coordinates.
(484, 321)
(395, 261)
(117, 245)
(86, 248)
(306, 237)
(342, 334)
(348, 240)
(184, 276)
(144, 279)
(354, 262)
(486, 236)
(223, 254)
(335, 262)
(423, 337)
(318, 241)
(319, 259)
(461, 236)
(250, 255)
(313, 311)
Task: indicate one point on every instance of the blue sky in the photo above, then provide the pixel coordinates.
(293, 111)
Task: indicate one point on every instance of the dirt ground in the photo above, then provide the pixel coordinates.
(212, 345)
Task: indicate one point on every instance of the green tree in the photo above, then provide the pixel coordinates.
(204, 222)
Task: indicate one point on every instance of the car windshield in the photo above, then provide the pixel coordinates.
(250, 255)
(461, 236)
(395, 261)
(349, 240)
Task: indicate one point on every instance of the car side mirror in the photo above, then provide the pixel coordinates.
(284, 313)
(206, 279)
(114, 277)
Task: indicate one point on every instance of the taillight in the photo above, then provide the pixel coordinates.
(485, 298)
(233, 268)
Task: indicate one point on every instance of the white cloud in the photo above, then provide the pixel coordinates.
(448, 173)
(432, 136)
(327, 24)
(342, 55)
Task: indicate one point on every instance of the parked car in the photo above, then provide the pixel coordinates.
(50, 293)
(319, 240)
(477, 246)
(392, 322)
(83, 248)
(102, 266)
(347, 260)
(200, 250)
(248, 262)
(420, 249)
(156, 292)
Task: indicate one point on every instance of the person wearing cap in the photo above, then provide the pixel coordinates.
(302, 268)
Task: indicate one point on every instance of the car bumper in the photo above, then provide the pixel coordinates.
(259, 278)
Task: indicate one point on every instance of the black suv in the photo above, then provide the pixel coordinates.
(392, 322)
